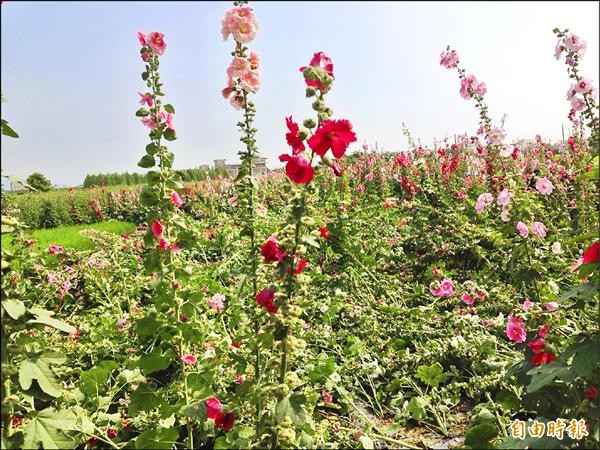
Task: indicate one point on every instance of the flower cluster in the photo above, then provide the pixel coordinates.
(215, 411)
(444, 289)
(539, 229)
(240, 23)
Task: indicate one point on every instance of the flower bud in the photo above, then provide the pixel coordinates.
(319, 105)
(310, 91)
(323, 116)
(309, 123)
(303, 134)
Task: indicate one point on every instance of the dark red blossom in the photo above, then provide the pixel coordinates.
(272, 251)
(592, 254)
(265, 299)
(591, 393)
(324, 232)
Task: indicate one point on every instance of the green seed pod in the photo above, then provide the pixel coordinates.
(309, 123)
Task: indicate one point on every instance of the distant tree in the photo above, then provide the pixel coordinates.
(38, 181)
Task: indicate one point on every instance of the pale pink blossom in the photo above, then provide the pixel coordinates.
(227, 90)
(175, 248)
(539, 229)
(216, 302)
(238, 67)
(523, 229)
(558, 49)
(449, 59)
(250, 81)
(469, 83)
(156, 42)
(528, 304)
(504, 197)
(506, 151)
(254, 60)
(495, 136)
(483, 201)
(142, 38)
(149, 122)
(569, 60)
(544, 186)
(243, 31)
(574, 43)
(577, 103)
(233, 201)
(189, 358)
(583, 86)
(551, 306)
(237, 102)
(55, 249)
(167, 118)
(146, 99)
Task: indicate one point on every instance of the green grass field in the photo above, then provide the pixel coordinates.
(69, 236)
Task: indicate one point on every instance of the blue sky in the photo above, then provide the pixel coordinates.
(71, 72)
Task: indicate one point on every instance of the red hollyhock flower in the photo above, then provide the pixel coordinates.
(592, 254)
(157, 228)
(295, 141)
(16, 421)
(591, 393)
(111, 433)
(332, 134)
(326, 396)
(324, 232)
(543, 330)
(236, 344)
(214, 408)
(272, 251)
(537, 346)
(298, 169)
(324, 63)
(540, 358)
(225, 421)
(265, 299)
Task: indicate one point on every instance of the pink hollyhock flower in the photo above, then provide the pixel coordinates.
(574, 43)
(528, 304)
(324, 232)
(238, 67)
(591, 255)
(467, 299)
(327, 398)
(544, 186)
(332, 134)
(298, 168)
(323, 62)
(516, 332)
(543, 331)
(164, 244)
(523, 230)
(146, 99)
(145, 56)
(570, 61)
(227, 90)
(292, 138)
(239, 379)
(233, 201)
(176, 199)
(503, 197)
(583, 86)
(243, 31)
(250, 81)
(157, 228)
(272, 251)
(558, 49)
(470, 84)
(156, 42)
(449, 59)
(483, 201)
(539, 229)
(167, 118)
(444, 289)
(55, 249)
(577, 103)
(213, 408)
(149, 122)
(254, 60)
(551, 306)
(237, 102)
(537, 345)
(189, 359)
(216, 302)
(142, 38)
(175, 248)
(495, 136)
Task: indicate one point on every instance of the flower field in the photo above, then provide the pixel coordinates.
(439, 297)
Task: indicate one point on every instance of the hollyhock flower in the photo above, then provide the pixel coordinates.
(483, 201)
(292, 138)
(569, 61)
(449, 59)
(272, 251)
(444, 289)
(544, 186)
(537, 345)
(157, 228)
(527, 305)
(145, 56)
(156, 42)
(543, 331)
(225, 421)
(301, 264)
(574, 43)
(577, 103)
(337, 170)
(238, 67)
(551, 306)
(298, 168)
(506, 151)
(142, 38)
(323, 62)
(237, 102)
(233, 201)
(327, 398)
(541, 358)
(516, 332)
(324, 232)
(558, 49)
(591, 393)
(175, 248)
(556, 248)
(583, 86)
(467, 299)
(469, 83)
(503, 197)
(111, 433)
(265, 299)
(149, 122)
(523, 230)
(176, 199)
(239, 22)
(167, 118)
(592, 254)
(332, 134)
(189, 359)
(146, 99)
(164, 244)
(216, 302)
(213, 408)
(227, 90)
(55, 249)
(539, 229)
(254, 60)
(495, 136)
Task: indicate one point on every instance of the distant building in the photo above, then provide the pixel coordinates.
(259, 166)
(17, 187)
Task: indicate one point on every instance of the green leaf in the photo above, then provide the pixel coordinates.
(310, 240)
(142, 112)
(152, 148)
(145, 75)
(169, 108)
(586, 357)
(431, 375)
(147, 326)
(148, 196)
(480, 435)
(47, 428)
(544, 375)
(416, 408)
(143, 398)
(169, 134)
(366, 442)
(292, 406)
(43, 317)
(196, 410)
(8, 131)
(156, 360)
(324, 368)
(38, 368)
(14, 308)
(93, 381)
(157, 439)
(147, 161)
